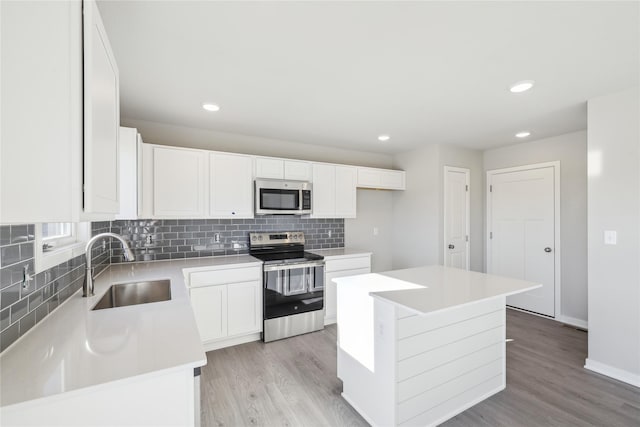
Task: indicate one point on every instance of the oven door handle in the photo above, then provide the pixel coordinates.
(277, 267)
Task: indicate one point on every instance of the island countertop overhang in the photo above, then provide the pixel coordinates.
(429, 289)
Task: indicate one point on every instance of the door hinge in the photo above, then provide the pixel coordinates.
(491, 234)
(466, 188)
(491, 189)
(466, 238)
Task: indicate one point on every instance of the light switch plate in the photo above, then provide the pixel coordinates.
(610, 237)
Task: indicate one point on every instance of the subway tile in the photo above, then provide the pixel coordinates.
(9, 296)
(41, 312)
(177, 255)
(5, 318)
(9, 336)
(5, 235)
(9, 255)
(27, 322)
(35, 299)
(20, 233)
(19, 309)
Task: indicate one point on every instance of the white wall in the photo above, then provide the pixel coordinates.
(614, 204)
(571, 150)
(375, 209)
(470, 159)
(180, 136)
(416, 211)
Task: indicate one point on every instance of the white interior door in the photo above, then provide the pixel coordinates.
(521, 243)
(456, 217)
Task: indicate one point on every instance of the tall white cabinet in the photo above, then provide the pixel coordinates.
(42, 107)
(101, 116)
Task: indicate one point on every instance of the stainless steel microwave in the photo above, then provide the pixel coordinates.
(281, 197)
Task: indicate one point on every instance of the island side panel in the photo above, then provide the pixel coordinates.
(448, 361)
(367, 354)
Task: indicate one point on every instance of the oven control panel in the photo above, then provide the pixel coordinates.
(280, 237)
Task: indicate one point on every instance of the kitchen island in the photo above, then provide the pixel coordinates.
(418, 346)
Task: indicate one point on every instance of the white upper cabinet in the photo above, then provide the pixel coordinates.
(323, 202)
(129, 145)
(334, 191)
(230, 186)
(283, 169)
(345, 192)
(297, 171)
(269, 168)
(101, 117)
(174, 182)
(383, 179)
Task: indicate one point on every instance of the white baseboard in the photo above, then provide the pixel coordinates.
(573, 321)
(329, 321)
(610, 371)
(578, 323)
(228, 342)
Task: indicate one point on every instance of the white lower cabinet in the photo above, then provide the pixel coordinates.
(348, 265)
(227, 304)
(210, 308)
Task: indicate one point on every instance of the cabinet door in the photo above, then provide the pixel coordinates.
(230, 186)
(101, 117)
(346, 191)
(210, 309)
(330, 293)
(393, 180)
(244, 308)
(128, 148)
(297, 171)
(269, 168)
(41, 114)
(324, 191)
(368, 178)
(179, 182)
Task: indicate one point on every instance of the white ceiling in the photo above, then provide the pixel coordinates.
(340, 73)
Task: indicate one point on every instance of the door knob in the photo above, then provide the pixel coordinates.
(451, 246)
(547, 249)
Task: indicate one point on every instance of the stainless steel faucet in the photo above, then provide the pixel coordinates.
(87, 287)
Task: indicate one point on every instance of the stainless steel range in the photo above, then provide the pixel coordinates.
(293, 284)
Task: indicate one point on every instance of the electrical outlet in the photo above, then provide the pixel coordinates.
(376, 231)
(329, 233)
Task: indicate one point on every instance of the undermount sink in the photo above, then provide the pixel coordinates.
(135, 293)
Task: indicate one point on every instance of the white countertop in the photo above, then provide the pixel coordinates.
(328, 254)
(74, 347)
(433, 288)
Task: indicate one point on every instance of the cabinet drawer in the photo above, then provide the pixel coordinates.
(223, 277)
(348, 263)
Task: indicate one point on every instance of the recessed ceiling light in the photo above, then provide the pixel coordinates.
(521, 86)
(523, 134)
(384, 138)
(210, 107)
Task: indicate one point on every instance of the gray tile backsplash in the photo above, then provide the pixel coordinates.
(23, 304)
(172, 239)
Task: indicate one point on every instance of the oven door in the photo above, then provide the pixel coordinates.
(293, 289)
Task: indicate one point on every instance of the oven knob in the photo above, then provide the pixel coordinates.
(253, 237)
(295, 237)
(259, 237)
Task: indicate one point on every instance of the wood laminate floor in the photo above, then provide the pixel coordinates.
(293, 383)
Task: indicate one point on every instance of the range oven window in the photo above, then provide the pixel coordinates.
(293, 291)
(275, 199)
